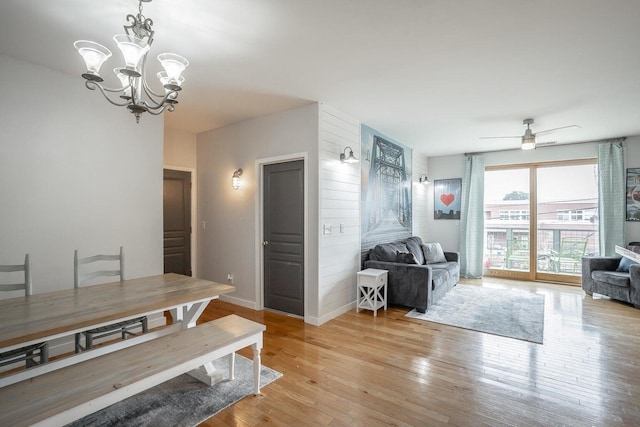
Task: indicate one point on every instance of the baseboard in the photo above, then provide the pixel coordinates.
(317, 321)
(239, 301)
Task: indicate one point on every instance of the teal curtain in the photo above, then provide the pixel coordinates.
(611, 196)
(472, 217)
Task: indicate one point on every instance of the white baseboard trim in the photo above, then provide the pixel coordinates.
(317, 321)
(238, 301)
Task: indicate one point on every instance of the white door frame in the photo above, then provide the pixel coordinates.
(259, 249)
(194, 214)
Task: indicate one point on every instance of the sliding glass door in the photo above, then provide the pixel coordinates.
(540, 220)
(507, 222)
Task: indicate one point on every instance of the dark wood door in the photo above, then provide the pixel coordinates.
(284, 237)
(177, 222)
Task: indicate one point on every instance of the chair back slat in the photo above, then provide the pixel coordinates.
(26, 285)
(79, 278)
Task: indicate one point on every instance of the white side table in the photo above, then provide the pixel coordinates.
(372, 290)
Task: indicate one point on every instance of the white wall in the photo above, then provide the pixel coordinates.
(229, 242)
(75, 173)
(180, 148)
(339, 252)
(444, 231)
(422, 194)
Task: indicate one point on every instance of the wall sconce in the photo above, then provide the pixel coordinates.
(350, 158)
(423, 179)
(235, 179)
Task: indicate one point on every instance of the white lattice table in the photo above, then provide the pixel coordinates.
(372, 290)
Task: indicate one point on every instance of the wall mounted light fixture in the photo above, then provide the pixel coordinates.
(424, 179)
(235, 179)
(348, 158)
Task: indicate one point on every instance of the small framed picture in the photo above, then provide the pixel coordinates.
(633, 194)
(447, 194)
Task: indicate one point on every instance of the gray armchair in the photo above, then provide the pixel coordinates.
(599, 276)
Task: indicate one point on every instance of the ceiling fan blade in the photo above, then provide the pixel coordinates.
(544, 132)
(494, 137)
(542, 144)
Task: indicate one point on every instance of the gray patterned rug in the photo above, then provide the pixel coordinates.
(508, 313)
(182, 401)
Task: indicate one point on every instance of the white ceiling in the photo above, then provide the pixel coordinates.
(432, 74)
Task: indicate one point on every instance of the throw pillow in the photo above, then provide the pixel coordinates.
(433, 253)
(406, 258)
(624, 265)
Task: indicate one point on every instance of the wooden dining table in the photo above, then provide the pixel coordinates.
(47, 316)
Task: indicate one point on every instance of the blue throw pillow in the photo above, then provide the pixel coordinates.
(625, 262)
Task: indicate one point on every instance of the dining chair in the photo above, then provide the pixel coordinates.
(34, 354)
(81, 275)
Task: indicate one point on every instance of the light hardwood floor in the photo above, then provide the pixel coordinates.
(357, 370)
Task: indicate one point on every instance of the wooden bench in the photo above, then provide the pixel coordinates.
(69, 393)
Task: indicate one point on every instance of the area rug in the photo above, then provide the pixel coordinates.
(508, 313)
(182, 401)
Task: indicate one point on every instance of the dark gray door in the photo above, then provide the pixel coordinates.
(177, 222)
(284, 237)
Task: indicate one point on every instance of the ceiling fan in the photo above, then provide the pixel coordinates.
(529, 138)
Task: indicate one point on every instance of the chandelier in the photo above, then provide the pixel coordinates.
(135, 93)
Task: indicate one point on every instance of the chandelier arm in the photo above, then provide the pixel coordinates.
(150, 92)
(145, 86)
(159, 105)
(160, 109)
(156, 112)
(91, 85)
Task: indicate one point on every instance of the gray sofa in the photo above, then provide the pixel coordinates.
(413, 283)
(599, 276)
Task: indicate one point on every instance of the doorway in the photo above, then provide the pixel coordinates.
(283, 241)
(177, 221)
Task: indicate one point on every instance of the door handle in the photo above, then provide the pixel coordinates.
(265, 243)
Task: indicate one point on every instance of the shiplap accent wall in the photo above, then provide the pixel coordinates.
(422, 196)
(339, 203)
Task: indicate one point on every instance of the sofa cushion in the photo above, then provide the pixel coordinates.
(433, 253)
(614, 278)
(439, 277)
(387, 251)
(413, 244)
(406, 258)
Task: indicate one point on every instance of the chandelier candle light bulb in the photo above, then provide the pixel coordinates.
(135, 92)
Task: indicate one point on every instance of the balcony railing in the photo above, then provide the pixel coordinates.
(559, 250)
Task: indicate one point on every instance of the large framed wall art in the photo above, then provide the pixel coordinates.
(386, 189)
(633, 194)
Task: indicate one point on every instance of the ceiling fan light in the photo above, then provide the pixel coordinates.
(94, 55)
(133, 49)
(528, 143)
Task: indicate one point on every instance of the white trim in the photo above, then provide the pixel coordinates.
(239, 301)
(194, 214)
(259, 165)
(333, 314)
